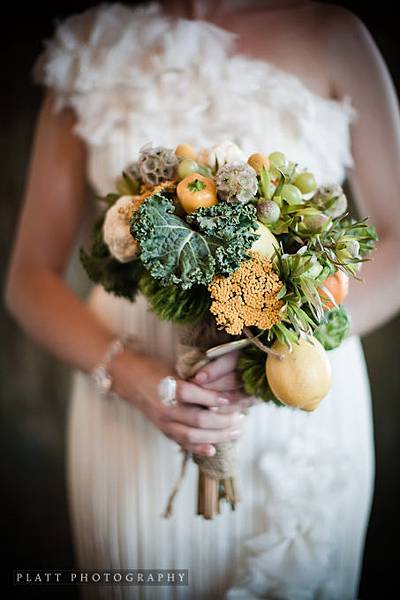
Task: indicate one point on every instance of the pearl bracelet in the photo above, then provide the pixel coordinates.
(100, 375)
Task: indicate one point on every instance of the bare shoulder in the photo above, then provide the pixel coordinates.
(348, 49)
(336, 17)
(343, 30)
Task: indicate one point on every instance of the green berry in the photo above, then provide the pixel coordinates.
(306, 182)
(187, 166)
(278, 160)
(315, 223)
(291, 194)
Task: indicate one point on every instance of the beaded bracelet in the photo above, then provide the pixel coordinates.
(100, 374)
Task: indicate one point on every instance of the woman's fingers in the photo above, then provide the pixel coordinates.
(188, 392)
(241, 402)
(201, 449)
(203, 418)
(217, 368)
(185, 435)
(230, 381)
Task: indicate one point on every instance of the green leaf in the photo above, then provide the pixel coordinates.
(334, 328)
(196, 185)
(177, 254)
(121, 279)
(251, 366)
(132, 184)
(264, 183)
(172, 303)
(230, 230)
(205, 170)
(170, 250)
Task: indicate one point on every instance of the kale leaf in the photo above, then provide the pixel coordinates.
(177, 254)
(230, 230)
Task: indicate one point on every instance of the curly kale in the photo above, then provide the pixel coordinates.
(230, 230)
(121, 279)
(190, 252)
(172, 303)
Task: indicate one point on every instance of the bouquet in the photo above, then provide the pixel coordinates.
(240, 252)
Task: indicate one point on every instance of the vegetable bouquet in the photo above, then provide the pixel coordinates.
(240, 252)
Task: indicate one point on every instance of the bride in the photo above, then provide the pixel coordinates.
(300, 77)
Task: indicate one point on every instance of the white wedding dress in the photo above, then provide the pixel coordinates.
(133, 76)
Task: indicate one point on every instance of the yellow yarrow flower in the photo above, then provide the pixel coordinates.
(248, 297)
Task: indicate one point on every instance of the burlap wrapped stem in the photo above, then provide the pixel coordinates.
(216, 474)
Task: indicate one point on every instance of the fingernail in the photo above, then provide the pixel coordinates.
(201, 377)
(211, 451)
(235, 433)
(222, 401)
(214, 409)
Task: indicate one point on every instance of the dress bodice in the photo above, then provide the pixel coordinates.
(134, 75)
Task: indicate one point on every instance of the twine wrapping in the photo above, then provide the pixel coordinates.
(194, 341)
(191, 357)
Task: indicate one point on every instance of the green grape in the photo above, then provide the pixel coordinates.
(187, 166)
(278, 160)
(291, 194)
(306, 182)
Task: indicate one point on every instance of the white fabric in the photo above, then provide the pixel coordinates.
(133, 75)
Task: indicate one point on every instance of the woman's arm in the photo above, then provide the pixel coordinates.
(55, 317)
(358, 69)
(53, 204)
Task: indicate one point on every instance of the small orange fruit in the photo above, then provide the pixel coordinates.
(196, 191)
(185, 151)
(338, 285)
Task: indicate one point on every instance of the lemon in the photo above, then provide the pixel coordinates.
(303, 377)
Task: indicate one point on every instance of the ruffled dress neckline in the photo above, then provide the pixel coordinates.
(135, 75)
(158, 7)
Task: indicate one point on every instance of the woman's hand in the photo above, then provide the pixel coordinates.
(197, 421)
(220, 375)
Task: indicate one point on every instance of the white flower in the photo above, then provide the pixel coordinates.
(116, 232)
(226, 152)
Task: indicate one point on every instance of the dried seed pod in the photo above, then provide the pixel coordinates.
(237, 182)
(157, 164)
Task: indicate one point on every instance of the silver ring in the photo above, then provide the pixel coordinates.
(167, 391)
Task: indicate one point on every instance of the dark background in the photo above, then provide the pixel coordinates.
(34, 386)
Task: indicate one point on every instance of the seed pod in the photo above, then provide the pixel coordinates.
(157, 164)
(237, 182)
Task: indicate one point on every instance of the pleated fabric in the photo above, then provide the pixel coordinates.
(305, 481)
